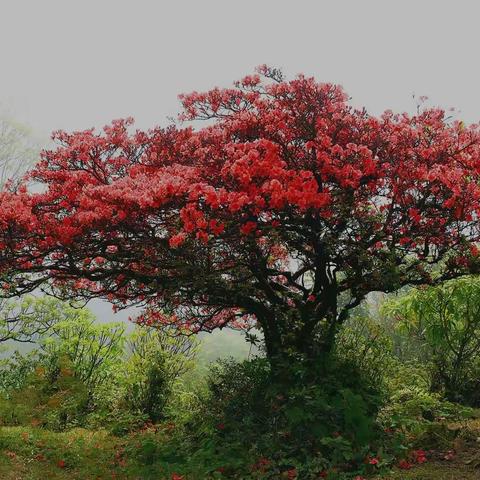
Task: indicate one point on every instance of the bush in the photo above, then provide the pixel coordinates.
(15, 370)
(51, 396)
(444, 322)
(155, 363)
(94, 350)
(83, 375)
(318, 422)
(414, 413)
(365, 345)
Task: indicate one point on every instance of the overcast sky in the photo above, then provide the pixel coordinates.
(75, 64)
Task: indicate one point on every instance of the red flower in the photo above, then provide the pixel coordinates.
(248, 228)
(419, 456)
(61, 464)
(292, 474)
(261, 464)
(177, 240)
(404, 465)
(221, 426)
(373, 461)
(176, 476)
(449, 455)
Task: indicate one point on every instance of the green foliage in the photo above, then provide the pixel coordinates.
(444, 322)
(84, 373)
(15, 370)
(32, 453)
(94, 349)
(365, 344)
(50, 396)
(155, 363)
(241, 420)
(310, 422)
(412, 415)
(31, 319)
(415, 417)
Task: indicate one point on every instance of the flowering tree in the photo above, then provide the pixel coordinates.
(283, 210)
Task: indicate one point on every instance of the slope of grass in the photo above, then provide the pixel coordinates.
(32, 453)
(463, 463)
(437, 471)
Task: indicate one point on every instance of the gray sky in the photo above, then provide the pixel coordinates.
(78, 64)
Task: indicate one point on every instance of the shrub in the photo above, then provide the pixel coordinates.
(51, 396)
(15, 370)
(82, 374)
(93, 349)
(366, 346)
(444, 321)
(155, 363)
(317, 422)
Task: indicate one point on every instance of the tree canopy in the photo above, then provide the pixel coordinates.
(283, 210)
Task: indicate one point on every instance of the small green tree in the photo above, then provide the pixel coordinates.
(157, 359)
(365, 344)
(444, 321)
(94, 349)
(31, 318)
(62, 333)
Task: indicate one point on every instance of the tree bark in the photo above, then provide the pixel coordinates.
(294, 337)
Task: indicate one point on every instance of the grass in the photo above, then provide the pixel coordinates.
(33, 453)
(437, 471)
(463, 465)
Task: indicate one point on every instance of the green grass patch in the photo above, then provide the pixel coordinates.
(34, 453)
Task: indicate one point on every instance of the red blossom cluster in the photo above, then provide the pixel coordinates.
(419, 456)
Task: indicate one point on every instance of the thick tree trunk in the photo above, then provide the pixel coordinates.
(290, 342)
